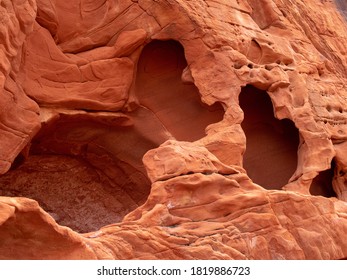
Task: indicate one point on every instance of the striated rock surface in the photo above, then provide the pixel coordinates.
(204, 129)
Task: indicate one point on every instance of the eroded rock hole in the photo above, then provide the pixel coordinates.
(86, 171)
(322, 183)
(160, 89)
(271, 148)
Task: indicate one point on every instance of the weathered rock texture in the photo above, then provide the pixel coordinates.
(173, 129)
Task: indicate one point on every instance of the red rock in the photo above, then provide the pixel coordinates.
(173, 130)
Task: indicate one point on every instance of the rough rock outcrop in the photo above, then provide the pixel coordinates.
(204, 129)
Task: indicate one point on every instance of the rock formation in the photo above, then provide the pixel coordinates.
(172, 129)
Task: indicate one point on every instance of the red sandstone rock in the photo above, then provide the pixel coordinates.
(173, 129)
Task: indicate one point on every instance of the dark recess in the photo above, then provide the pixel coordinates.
(322, 183)
(271, 153)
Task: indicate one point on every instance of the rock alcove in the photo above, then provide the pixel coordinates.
(85, 168)
(271, 146)
(160, 89)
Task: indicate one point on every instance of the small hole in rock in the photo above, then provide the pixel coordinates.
(237, 65)
(322, 183)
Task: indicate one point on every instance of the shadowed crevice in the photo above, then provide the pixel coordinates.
(322, 183)
(177, 105)
(271, 144)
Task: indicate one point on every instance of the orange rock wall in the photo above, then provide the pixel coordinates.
(204, 129)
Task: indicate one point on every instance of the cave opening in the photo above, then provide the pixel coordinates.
(160, 89)
(85, 172)
(322, 184)
(270, 158)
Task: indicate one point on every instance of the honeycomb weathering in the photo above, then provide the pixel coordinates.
(173, 129)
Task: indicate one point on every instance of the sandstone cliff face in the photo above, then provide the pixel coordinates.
(173, 129)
